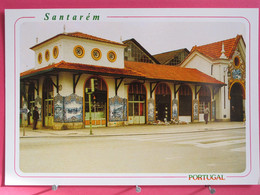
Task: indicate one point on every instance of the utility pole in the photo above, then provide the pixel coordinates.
(90, 92)
(90, 114)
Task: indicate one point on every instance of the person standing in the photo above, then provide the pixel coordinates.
(35, 117)
(206, 114)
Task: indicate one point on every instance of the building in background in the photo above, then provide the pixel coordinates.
(134, 51)
(172, 58)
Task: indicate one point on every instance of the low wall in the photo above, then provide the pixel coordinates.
(64, 126)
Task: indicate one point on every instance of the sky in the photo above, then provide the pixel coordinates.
(156, 37)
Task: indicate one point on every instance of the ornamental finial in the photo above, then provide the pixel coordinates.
(223, 56)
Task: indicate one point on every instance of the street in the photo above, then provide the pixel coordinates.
(221, 151)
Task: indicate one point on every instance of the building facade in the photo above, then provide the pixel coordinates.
(125, 92)
(226, 62)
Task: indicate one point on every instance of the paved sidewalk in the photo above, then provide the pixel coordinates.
(131, 130)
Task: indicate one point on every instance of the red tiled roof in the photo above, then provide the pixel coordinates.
(80, 35)
(134, 69)
(172, 73)
(213, 50)
(83, 67)
(90, 37)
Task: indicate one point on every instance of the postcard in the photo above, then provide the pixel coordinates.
(132, 97)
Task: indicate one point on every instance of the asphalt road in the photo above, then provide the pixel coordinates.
(221, 151)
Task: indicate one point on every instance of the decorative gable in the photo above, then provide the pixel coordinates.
(237, 69)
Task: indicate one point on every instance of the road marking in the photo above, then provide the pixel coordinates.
(194, 139)
(200, 141)
(241, 149)
(167, 137)
(219, 144)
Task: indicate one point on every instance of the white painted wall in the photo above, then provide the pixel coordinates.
(66, 81)
(66, 46)
(69, 43)
(200, 63)
(222, 101)
(42, 49)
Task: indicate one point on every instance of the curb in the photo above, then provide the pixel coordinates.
(131, 134)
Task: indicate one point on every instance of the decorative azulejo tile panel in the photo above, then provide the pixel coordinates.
(73, 108)
(213, 109)
(151, 110)
(117, 109)
(58, 108)
(195, 109)
(175, 108)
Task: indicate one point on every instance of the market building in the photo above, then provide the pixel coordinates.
(126, 92)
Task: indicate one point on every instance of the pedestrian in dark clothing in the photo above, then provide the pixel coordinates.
(35, 117)
(206, 114)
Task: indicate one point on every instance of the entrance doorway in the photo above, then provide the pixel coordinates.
(163, 102)
(236, 103)
(204, 100)
(48, 107)
(185, 103)
(136, 103)
(98, 102)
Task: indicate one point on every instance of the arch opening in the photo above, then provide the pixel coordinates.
(236, 103)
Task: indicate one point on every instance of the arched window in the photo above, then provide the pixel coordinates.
(204, 99)
(98, 102)
(185, 101)
(236, 102)
(163, 102)
(31, 102)
(163, 89)
(48, 107)
(136, 103)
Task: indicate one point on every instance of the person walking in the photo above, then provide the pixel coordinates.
(35, 117)
(206, 114)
